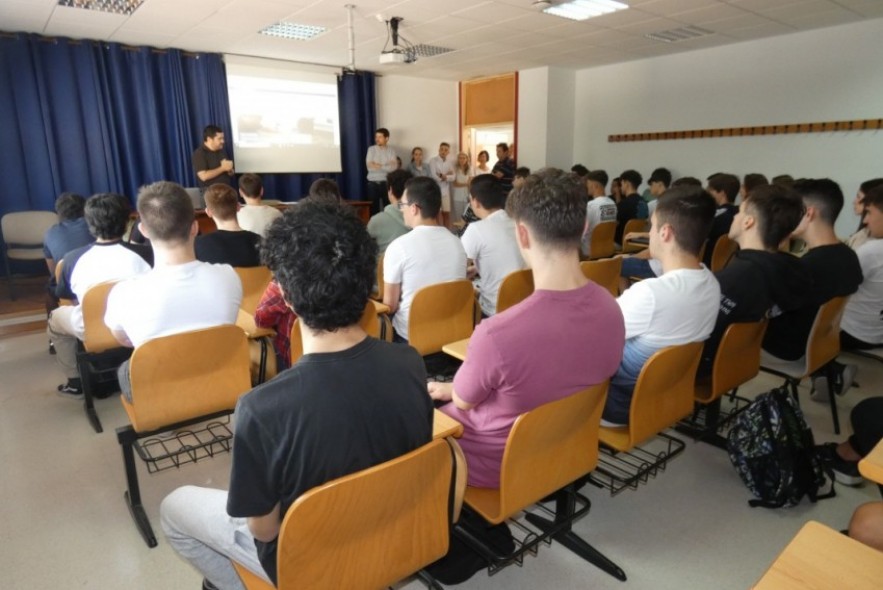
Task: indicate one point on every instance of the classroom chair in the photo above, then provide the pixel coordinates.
(724, 250)
(515, 288)
(604, 272)
(634, 225)
(441, 313)
(602, 244)
(254, 282)
(23, 233)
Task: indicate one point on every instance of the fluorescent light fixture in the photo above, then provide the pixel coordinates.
(679, 34)
(293, 31)
(126, 7)
(585, 9)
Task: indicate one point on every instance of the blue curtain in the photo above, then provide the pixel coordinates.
(90, 117)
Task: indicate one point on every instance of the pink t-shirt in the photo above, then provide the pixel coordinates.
(551, 345)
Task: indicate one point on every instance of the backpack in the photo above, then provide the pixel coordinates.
(773, 450)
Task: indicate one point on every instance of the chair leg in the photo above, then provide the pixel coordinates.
(830, 378)
(565, 503)
(428, 580)
(88, 394)
(127, 437)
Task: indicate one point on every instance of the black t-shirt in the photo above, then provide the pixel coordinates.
(329, 415)
(723, 219)
(835, 272)
(506, 167)
(627, 209)
(205, 159)
(236, 248)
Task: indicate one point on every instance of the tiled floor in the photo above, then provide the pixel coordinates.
(65, 524)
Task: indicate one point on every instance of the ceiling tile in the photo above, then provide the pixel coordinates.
(708, 14)
(669, 7)
(823, 19)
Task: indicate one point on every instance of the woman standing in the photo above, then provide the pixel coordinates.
(482, 167)
(460, 195)
(417, 167)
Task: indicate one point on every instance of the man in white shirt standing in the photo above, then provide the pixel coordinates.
(427, 255)
(441, 167)
(255, 216)
(678, 307)
(380, 160)
(600, 208)
(490, 245)
(181, 293)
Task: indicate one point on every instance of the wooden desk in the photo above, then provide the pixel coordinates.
(444, 426)
(820, 558)
(246, 321)
(871, 467)
(456, 349)
(380, 307)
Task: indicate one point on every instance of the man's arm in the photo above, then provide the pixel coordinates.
(444, 392)
(266, 528)
(226, 167)
(392, 293)
(370, 162)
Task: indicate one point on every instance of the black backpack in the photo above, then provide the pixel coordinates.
(773, 450)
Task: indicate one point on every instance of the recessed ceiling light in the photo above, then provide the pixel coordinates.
(585, 9)
(293, 31)
(679, 34)
(114, 6)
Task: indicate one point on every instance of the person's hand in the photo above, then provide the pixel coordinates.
(629, 236)
(442, 392)
(227, 165)
(471, 272)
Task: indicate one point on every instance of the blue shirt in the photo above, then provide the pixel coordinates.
(65, 236)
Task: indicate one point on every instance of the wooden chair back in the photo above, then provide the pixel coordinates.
(370, 322)
(823, 344)
(634, 225)
(372, 528)
(254, 282)
(663, 395)
(604, 272)
(737, 360)
(602, 244)
(515, 288)
(724, 250)
(187, 375)
(440, 314)
(97, 337)
(548, 448)
(378, 293)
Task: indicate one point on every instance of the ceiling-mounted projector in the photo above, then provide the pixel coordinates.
(396, 56)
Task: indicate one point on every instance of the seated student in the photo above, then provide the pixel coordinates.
(180, 293)
(858, 206)
(566, 336)
(108, 259)
(427, 255)
(687, 181)
(658, 183)
(676, 308)
(860, 327)
(833, 266)
(366, 402)
(255, 216)
(600, 207)
(274, 314)
(389, 224)
(580, 171)
(521, 173)
(632, 205)
(491, 249)
(230, 244)
(325, 190)
(71, 231)
(724, 188)
(759, 275)
(750, 182)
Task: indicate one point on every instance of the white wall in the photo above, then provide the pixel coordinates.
(418, 112)
(545, 117)
(824, 75)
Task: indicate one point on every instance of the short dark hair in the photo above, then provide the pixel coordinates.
(396, 181)
(778, 210)
(107, 215)
(874, 197)
(690, 212)
(444, 143)
(325, 262)
(425, 193)
(69, 206)
(687, 181)
(727, 183)
(522, 172)
(325, 189)
(662, 175)
(580, 169)
(599, 176)
(210, 131)
(382, 131)
(486, 189)
(251, 185)
(785, 179)
(552, 204)
(869, 185)
(486, 155)
(221, 199)
(503, 146)
(632, 176)
(166, 211)
(823, 194)
(753, 180)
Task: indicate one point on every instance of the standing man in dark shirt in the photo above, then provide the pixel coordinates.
(834, 268)
(230, 244)
(504, 169)
(724, 188)
(351, 402)
(632, 205)
(210, 163)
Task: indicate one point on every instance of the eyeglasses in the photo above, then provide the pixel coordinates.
(403, 204)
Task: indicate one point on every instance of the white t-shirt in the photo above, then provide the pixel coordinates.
(863, 315)
(427, 255)
(679, 307)
(257, 218)
(173, 299)
(100, 263)
(598, 210)
(491, 244)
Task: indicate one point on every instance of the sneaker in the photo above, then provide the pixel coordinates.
(845, 472)
(71, 390)
(846, 379)
(206, 585)
(819, 392)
